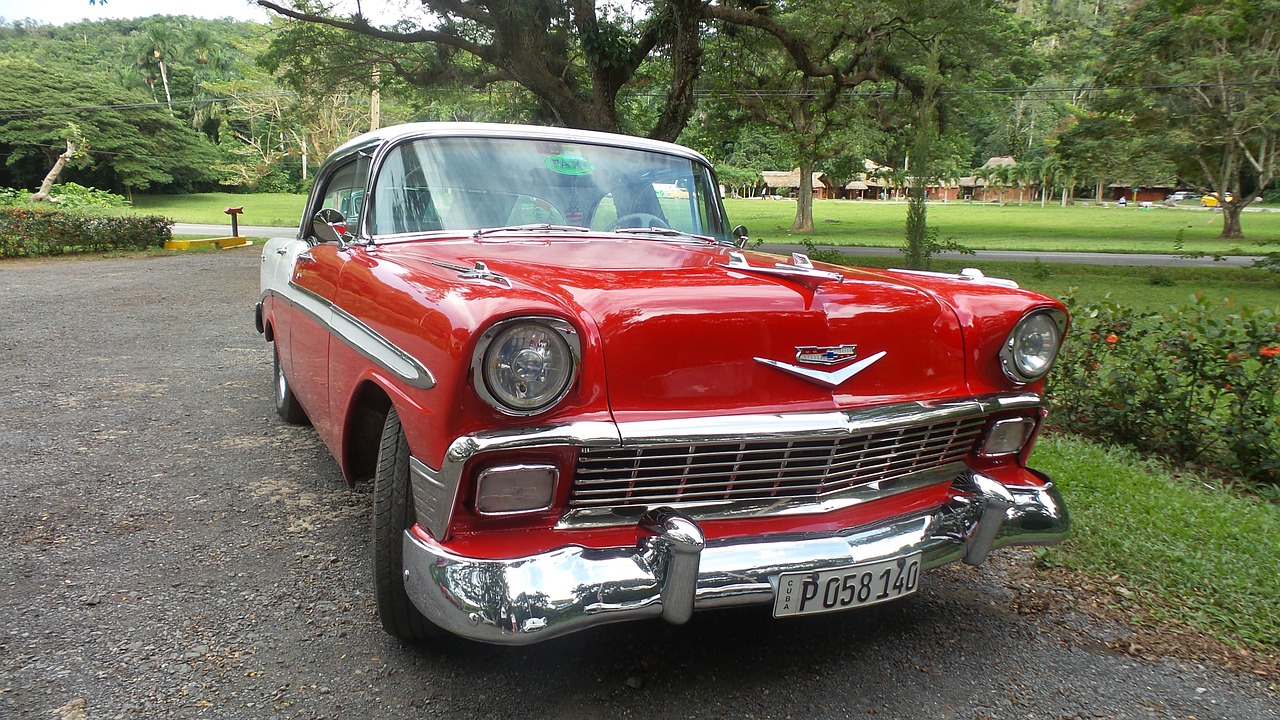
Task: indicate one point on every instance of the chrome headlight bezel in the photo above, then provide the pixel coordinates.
(562, 341)
(1031, 349)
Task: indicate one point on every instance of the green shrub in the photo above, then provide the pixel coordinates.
(29, 231)
(1196, 383)
(66, 196)
(71, 196)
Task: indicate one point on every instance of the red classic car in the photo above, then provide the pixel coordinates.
(581, 401)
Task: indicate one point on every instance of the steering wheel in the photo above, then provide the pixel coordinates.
(637, 219)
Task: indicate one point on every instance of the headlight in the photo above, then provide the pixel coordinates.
(1029, 352)
(526, 365)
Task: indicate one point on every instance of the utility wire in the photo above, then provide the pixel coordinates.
(10, 113)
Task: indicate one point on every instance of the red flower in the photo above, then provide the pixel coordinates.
(1270, 351)
(1112, 339)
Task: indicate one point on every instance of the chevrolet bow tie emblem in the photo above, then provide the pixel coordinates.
(826, 355)
(832, 379)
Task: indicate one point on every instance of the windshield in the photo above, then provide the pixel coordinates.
(465, 184)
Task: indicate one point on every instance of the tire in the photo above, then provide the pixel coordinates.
(287, 406)
(393, 513)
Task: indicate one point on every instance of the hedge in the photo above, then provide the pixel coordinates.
(30, 232)
(1196, 383)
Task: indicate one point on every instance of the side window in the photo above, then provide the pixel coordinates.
(344, 191)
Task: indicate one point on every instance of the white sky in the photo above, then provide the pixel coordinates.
(60, 12)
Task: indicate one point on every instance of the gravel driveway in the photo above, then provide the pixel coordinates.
(171, 549)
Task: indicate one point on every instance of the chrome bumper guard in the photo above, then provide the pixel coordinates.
(673, 570)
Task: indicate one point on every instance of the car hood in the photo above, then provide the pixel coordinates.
(683, 332)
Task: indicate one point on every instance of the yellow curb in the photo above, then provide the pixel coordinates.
(223, 243)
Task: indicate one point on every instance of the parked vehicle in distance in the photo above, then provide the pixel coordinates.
(580, 401)
(1181, 195)
(1211, 199)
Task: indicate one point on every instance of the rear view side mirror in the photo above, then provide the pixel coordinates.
(740, 233)
(330, 226)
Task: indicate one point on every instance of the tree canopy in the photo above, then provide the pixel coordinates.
(1100, 94)
(121, 140)
(1204, 80)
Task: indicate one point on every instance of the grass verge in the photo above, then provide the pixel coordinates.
(269, 209)
(1141, 287)
(1180, 550)
(1009, 227)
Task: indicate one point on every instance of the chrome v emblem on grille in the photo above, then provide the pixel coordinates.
(832, 379)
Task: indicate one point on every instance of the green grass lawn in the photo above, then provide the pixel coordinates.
(1171, 541)
(848, 222)
(270, 209)
(1144, 288)
(1030, 227)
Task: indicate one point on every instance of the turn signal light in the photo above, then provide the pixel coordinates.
(516, 489)
(1007, 437)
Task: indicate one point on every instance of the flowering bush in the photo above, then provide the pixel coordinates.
(1196, 383)
(27, 231)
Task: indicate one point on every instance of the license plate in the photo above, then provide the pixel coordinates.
(809, 593)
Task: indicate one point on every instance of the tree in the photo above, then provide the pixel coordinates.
(121, 141)
(750, 70)
(1204, 77)
(575, 57)
(589, 63)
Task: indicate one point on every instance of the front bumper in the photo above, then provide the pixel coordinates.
(674, 570)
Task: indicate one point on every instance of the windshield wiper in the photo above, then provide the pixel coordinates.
(664, 232)
(532, 227)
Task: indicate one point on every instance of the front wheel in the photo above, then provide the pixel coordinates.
(287, 406)
(393, 513)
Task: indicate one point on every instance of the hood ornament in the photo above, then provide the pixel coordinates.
(479, 272)
(832, 379)
(800, 269)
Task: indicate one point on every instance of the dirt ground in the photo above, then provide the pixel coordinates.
(170, 549)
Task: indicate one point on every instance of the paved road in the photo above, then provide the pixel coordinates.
(171, 549)
(978, 257)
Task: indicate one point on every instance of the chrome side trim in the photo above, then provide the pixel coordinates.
(362, 338)
(673, 569)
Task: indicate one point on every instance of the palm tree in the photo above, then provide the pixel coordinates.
(152, 47)
(1048, 167)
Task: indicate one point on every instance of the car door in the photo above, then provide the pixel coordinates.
(316, 274)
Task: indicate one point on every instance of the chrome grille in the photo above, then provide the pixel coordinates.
(805, 468)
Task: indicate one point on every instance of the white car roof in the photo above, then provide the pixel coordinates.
(500, 130)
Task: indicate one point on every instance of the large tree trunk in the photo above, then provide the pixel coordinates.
(45, 187)
(804, 198)
(1231, 221)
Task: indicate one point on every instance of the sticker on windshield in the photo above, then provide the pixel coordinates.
(569, 165)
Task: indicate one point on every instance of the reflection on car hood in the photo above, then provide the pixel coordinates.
(684, 333)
